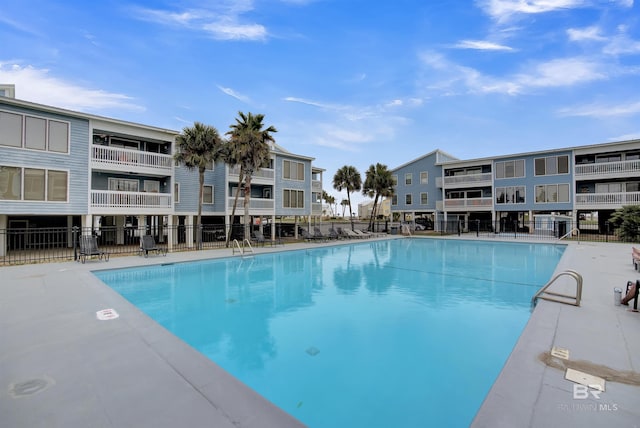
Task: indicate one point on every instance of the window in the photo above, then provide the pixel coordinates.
(151, 186)
(510, 195)
(550, 193)
(510, 169)
(35, 134)
(408, 178)
(608, 187)
(33, 184)
(10, 183)
(424, 177)
(394, 200)
(57, 186)
(10, 129)
(292, 198)
(123, 185)
(176, 192)
(292, 170)
(424, 199)
(408, 199)
(39, 184)
(394, 179)
(552, 165)
(207, 194)
(58, 136)
(316, 197)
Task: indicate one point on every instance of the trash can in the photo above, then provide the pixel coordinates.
(617, 296)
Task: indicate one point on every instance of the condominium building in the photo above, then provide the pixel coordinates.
(583, 184)
(117, 179)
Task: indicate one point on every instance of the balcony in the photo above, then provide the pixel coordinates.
(256, 205)
(262, 176)
(138, 203)
(470, 180)
(468, 204)
(316, 209)
(606, 200)
(316, 185)
(126, 160)
(621, 169)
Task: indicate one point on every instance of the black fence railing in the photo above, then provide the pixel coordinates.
(533, 230)
(21, 246)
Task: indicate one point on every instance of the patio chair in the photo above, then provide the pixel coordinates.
(89, 248)
(317, 234)
(631, 293)
(635, 257)
(362, 234)
(307, 236)
(147, 243)
(333, 234)
(259, 238)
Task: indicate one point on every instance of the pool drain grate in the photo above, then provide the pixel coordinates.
(107, 314)
(313, 351)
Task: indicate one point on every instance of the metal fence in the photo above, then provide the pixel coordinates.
(532, 230)
(36, 245)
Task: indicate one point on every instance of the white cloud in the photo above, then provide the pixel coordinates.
(481, 45)
(37, 85)
(456, 78)
(588, 33)
(503, 10)
(234, 94)
(600, 110)
(314, 103)
(223, 21)
(626, 137)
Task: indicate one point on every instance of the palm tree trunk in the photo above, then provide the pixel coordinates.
(373, 213)
(235, 204)
(350, 211)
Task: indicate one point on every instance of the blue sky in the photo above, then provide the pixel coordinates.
(347, 82)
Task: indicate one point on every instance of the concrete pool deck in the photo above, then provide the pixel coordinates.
(60, 366)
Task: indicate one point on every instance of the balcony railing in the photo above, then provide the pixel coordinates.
(316, 185)
(468, 203)
(128, 160)
(455, 180)
(254, 203)
(620, 168)
(109, 200)
(613, 200)
(265, 173)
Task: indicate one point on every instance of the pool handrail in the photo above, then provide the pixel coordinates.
(542, 293)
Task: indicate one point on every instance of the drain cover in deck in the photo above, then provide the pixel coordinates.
(560, 353)
(585, 379)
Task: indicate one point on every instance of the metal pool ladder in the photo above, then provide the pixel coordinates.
(242, 249)
(567, 299)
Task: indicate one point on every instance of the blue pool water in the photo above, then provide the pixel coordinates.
(406, 332)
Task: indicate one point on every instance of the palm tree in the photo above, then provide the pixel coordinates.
(250, 149)
(344, 204)
(197, 147)
(330, 200)
(348, 178)
(378, 183)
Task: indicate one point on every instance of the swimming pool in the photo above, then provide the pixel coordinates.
(405, 332)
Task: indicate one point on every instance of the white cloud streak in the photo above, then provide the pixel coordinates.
(37, 85)
(223, 21)
(589, 33)
(602, 111)
(235, 94)
(504, 10)
(481, 45)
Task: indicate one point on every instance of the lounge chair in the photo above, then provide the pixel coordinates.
(89, 248)
(147, 243)
(362, 234)
(333, 234)
(317, 234)
(352, 234)
(633, 295)
(635, 257)
(307, 236)
(259, 238)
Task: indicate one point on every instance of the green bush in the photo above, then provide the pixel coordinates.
(627, 223)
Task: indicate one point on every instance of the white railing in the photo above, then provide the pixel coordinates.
(316, 209)
(130, 158)
(316, 185)
(254, 203)
(468, 203)
(114, 199)
(609, 168)
(611, 199)
(467, 179)
(261, 173)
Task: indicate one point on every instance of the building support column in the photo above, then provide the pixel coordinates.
(188, 224)
(295, 227)
(69, 231)
(4, 220)
(273, 227)
(532, 223)
(170, 232)
(120, 225)
(87, 224)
